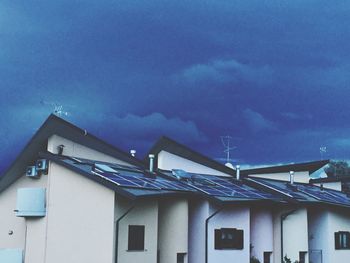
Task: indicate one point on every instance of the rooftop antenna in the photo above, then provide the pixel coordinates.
(226, 140)
(323, 150)
(57, 108)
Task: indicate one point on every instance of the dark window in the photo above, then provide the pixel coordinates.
(342, 240)
(267, 257)
(228, 238)
(136, 238)
(302, 257)
(180, 258)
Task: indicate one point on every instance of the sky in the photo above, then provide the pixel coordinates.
(273, 74)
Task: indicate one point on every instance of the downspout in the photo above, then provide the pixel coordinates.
(117, 232)
(283, 217)
(206, 232)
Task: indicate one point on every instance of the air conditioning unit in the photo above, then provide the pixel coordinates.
(32, 172)
(41, 165)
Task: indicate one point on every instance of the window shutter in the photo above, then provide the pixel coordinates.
(337, 240)
(240, 239)
(217, 239)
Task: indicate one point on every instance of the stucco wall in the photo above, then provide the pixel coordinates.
(78, 150)
(339, 220)
(198, 212)
(295, 234)
(80, 217)
(261, 232)
(143, 213)
(299, 177)
(8, 219)
(231, 217)
(168, 161)
(173, 229)
(320, 236)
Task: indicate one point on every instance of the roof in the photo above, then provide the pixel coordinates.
(296, 167)
(303, 193)
(129, 181)
(55, 125)
(174, 147)
(331, 179)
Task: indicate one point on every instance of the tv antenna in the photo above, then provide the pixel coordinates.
(226, 140)
(323, 150)
(57, 108)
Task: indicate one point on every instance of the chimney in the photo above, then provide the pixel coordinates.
(151, 162)
(291, 177)
(133, 153)
(238, 172)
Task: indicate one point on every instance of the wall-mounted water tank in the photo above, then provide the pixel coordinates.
(31, 202)
(11, 255)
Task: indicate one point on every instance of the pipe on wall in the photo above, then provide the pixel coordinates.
(283, 217)
(117, 232)
(206, 232)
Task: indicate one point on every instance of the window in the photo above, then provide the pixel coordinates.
(180, 258)
(228, 238)
(302, 257)
(136, 238)
(267, 257)
(342, 240)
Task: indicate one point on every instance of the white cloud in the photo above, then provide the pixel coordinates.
(256, 122)
(227, 71)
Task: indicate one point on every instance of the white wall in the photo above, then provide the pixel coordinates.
(77, 150)
(79, 219)
(232, 217)
(173, 229)
(8, 219)
(168, 161)
(339, 220)
(299, 177)
(331, 185)
(295, 234)
(320, 236)
(198, 212)
(143, 213)
(261, 232)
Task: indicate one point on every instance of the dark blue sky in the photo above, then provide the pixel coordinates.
(272, 74)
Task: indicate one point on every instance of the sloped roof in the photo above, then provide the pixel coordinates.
(55, 125)
(296, 167)
(174, 147)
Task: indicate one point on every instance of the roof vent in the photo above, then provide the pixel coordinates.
(151, 162)
(238, 172)
(291, 177)
(133, 153)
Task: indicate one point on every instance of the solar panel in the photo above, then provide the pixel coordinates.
(220, 186)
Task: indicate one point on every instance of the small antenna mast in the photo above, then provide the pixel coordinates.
(323, 150)
(225, 140)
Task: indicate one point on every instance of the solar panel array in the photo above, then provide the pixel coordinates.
(220, 186)
(127, 176)
(228, 187)
(325, 195)
(284, 188)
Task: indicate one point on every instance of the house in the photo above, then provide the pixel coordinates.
(59, 199)
(247, 215)
(72, 195)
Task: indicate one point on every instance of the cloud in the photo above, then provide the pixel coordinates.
(256, 122)
(227, 71)
(295, 116)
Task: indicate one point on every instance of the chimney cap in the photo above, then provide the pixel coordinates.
(151, 155)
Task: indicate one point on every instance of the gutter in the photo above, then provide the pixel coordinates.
(283, 217)
(206, 232)
(117, 232)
